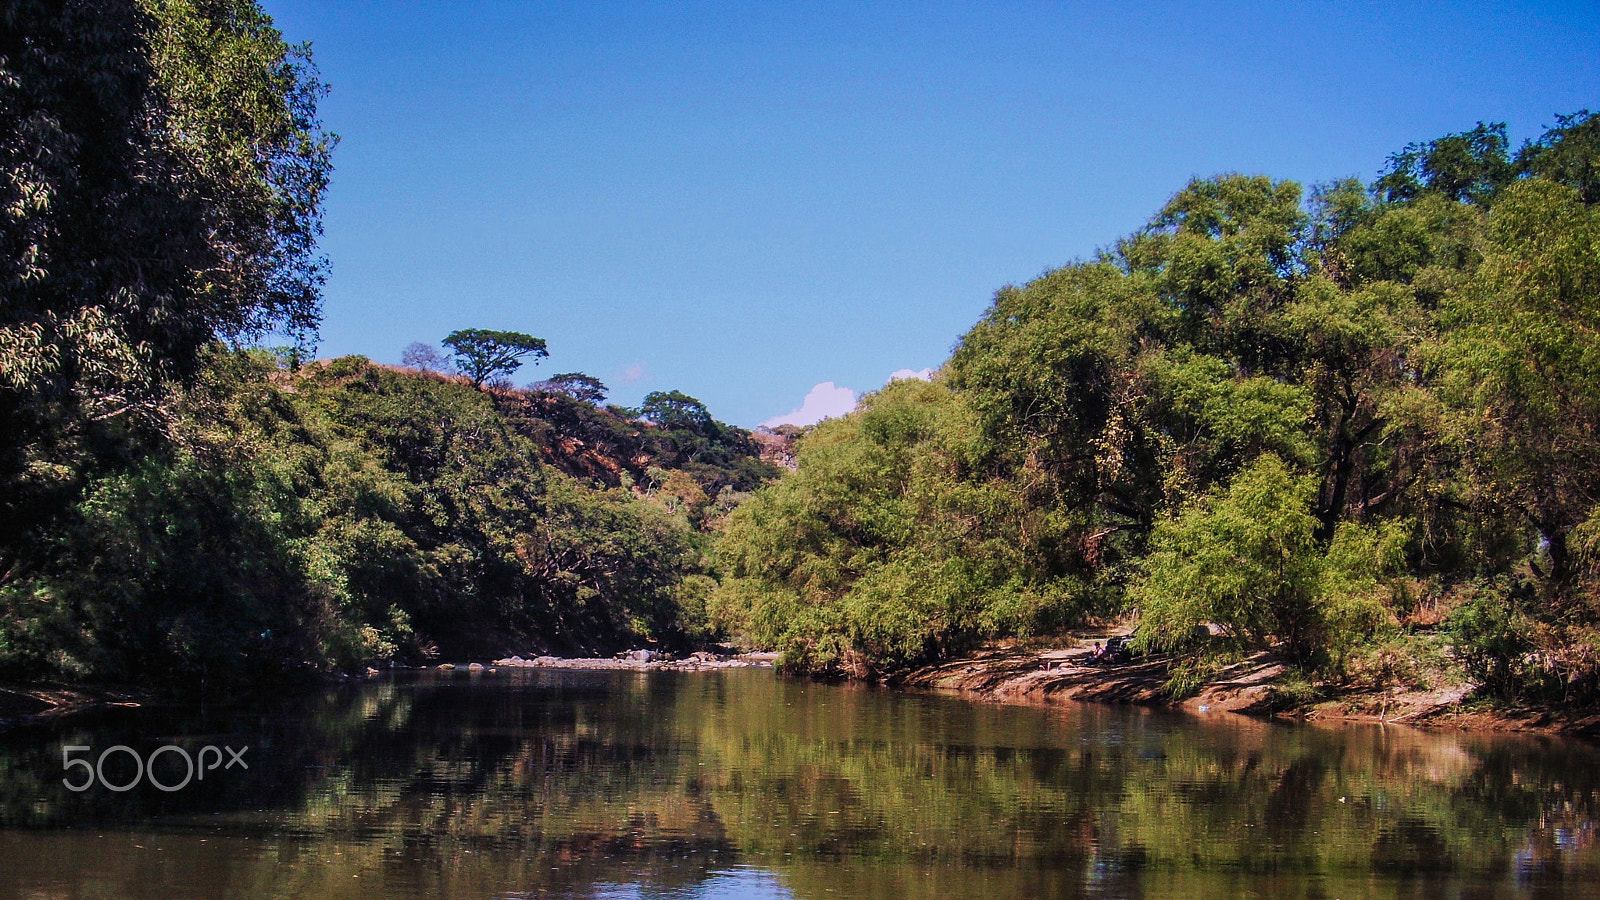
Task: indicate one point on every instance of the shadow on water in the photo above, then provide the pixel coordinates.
(741, 784)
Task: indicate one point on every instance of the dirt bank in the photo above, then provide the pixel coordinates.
(1041, 675)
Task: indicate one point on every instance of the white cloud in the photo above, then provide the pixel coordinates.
(632, 373)
(918, 374)
(825, 401)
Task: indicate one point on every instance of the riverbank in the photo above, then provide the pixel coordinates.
(26, 704)
(1019, 673)
(644, 661)
(1033, 674)
(23, 704)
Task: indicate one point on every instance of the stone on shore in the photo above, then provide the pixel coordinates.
(641, 661)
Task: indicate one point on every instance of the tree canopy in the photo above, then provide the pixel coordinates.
(675, 409)
(576, 385)
(164, 170)
(481, 354)
(1302, 424)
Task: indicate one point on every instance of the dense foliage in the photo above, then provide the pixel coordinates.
(164, 170)
(1263, 421)
(175, 509)
(1303, 423)
(349, 513)
(576, 385)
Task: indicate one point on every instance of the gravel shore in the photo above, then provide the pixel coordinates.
(644, 661)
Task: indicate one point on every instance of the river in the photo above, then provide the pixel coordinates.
(741, 784)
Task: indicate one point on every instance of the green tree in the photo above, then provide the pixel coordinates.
(675, 410)
(1568, 154)
(576, 385)
(163, 171)
(1247, 559)
(481, 354)
(1521, 359)
(1469, 167)
(877, 553)
(1221, 254)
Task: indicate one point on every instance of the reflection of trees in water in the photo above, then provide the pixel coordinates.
(1231, 792)
(442, 787)
(293, 746)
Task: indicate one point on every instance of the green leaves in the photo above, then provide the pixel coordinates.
(1464, 168)
(241, 110)
(875, 553)
(1243, 558)
(576, 385)
(1248, 560)
(1568, 154)
(482, 354)
(675, 410)
(162, 172)
(1219, 252)
(1521, 362)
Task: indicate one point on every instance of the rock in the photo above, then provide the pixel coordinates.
(371, 672)
(475, 667)
(446, 666)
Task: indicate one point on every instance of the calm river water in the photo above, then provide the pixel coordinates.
(741, 784)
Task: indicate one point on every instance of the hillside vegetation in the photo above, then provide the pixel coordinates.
(349, 513)
(1356, 426)
(179, 510)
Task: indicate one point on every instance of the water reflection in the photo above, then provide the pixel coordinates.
(739, 784)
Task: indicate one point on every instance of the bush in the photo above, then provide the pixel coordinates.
(1494, 638)
(885, 549)
(1248, 560)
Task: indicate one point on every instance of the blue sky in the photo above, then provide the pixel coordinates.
(750, 201)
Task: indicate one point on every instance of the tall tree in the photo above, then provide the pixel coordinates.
(1469, 167)
(1522, 359)
(481, 354)
(1568, 153)
(162, 168)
